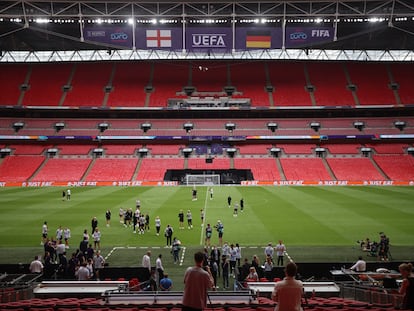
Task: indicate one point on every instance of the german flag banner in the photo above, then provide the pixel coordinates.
(258, 39)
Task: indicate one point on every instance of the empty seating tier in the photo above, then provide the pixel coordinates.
(62, 170)
(19, 168)
(304, 169)
(112, 170)
(354, 169)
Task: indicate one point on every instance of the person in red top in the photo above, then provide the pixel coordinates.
(288, 293)
(197, 281)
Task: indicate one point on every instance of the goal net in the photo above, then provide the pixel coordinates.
(202, 179)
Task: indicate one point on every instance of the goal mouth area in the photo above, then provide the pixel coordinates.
(211, 177)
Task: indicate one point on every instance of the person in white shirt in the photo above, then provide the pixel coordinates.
(269, 251)
(288, 293)
(36, 266)
(360, 265)
(159, 268)
(146, 261)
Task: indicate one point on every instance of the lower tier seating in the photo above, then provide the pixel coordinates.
(112, 170)
(19, 168)
(354, 169)
(304, 169)
(62, 170)
(397, 167)
(154, 169)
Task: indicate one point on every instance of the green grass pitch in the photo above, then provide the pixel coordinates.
(315, 223)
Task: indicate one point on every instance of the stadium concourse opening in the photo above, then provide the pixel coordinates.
(206, 177)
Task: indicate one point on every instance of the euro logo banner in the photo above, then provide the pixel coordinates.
(120, 36)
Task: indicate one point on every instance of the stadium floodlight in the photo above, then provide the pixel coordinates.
(231, 152)
(272, 126)
(143, 152)
(320, 152)
(146, 126)
(366, 151)
(5, 152)
(359, 125)
(187, 151)
(400, 125)
(188, 126)
(275, 151)
(230, 126)
(17, 126)
(103, 126)
(52, 152)
(98, 152)
(315, 126)
(59, 126)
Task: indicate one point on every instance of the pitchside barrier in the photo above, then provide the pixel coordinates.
(175, 183)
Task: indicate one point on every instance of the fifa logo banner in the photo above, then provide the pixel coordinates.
(297, 37)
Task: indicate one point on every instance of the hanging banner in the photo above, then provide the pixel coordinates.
(297, 37)
(159, 38)
(113, 35)
(250, 38)
(209, 39)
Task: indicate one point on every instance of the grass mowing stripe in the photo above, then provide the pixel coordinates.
(204, 219)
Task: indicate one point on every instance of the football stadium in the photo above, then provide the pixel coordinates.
(264, 135)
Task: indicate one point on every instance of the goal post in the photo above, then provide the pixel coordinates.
(202, 179)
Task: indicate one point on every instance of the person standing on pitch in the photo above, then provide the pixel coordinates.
(197, 281)
(280, 252)
(229, 201)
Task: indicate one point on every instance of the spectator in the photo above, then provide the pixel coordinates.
(269, 251)
(176, 246)
(98, 264)
(225, 271)
(146, 261)
(66, 236)
(288, 293)
(252, 276)
(159, 268)
(96, 239)
(407, 285)
(36, 266)
(360, 265)
(197, 281)
(268, 269)
(166, 283)
(83, 273)
(280, 252)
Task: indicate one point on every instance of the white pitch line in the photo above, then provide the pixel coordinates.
(182, 256)
(290, 258)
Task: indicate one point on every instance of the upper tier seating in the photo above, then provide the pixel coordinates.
(241, 79)
(88, 85)
(129, 84)
(169, 78)
(120, 149)
(304, 169)
(388, 148)
(46, 84)
(289, 82)
(75, 149)
(209, 77)
(403, 75)
(397, 167)
(28, 149)
(342, 148)
(262, 169)
(11, 77)
(254, 149)
(62, 170)
(200, 164)
(105, 169)
(354, 169)
(19, 168)
(297, 148)
(154, 169)
(330, 84)
(372, 83)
